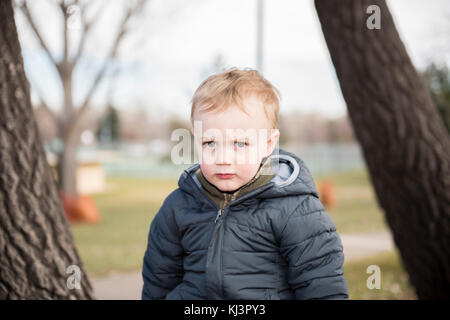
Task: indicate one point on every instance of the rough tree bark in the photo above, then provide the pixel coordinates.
(404, 141)
(36, 245)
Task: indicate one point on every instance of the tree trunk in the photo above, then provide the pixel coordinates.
(67, 158)
(67, 164)
(36, 245)
(67, 168)
(403, 139)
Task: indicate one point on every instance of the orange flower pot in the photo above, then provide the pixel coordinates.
(80, 208)
(327, 194)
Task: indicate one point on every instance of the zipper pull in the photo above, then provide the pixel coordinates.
(218, 215)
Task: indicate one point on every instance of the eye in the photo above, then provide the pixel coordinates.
(240, 144)
(209, 144)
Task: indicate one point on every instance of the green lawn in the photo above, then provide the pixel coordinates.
(394, 279)
(128, 206)
(118, 242)
(356, 209)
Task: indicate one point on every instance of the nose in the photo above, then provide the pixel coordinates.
(224, 155)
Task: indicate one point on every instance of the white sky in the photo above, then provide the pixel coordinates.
(179, 41)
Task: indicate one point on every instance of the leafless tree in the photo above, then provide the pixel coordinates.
(70, 120)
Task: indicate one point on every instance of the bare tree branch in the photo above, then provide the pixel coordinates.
(87, 27)
(112, 54)
(23, 6)
(65, 67)
(44, 105)
(65, 14)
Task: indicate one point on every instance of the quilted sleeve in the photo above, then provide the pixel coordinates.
(313, 252)
(163, 259)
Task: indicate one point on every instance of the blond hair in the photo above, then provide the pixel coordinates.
(232, 87)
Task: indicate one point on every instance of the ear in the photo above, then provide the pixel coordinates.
(272, 141)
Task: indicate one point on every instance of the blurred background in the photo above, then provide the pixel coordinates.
(118, 82)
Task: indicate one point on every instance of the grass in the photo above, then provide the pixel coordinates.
(128, 206)
(356, 209)
(394, 282)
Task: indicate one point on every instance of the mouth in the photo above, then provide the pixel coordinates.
(225, 175)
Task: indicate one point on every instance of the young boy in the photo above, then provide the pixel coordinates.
(246, 222)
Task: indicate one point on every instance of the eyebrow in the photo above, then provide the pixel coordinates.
(245, 139)
(242, 138)
(208, 138)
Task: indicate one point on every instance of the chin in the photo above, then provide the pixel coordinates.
(227, 186)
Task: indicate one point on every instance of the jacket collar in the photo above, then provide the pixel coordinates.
(222, 199)
(291, 177)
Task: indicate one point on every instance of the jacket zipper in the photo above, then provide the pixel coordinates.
(217, 223)
(219, 214)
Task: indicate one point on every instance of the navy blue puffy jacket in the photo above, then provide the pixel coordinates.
(275, 242)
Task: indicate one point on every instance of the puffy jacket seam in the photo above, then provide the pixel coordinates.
(287, 220)
(158, 284)
(165, 237)
(320, 257)
(307, 214)
(253, 228)
(153, 270)
(272, 273)
(168, 208)
(309, 238)
(175, 273)
(295, 210)
(196, 223)
(332, 296)
(301, 284)
(252, 251)
(193, 271)
(189, 252)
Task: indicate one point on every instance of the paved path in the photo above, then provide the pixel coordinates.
(118, 286)
(127, 286)
(364, 245)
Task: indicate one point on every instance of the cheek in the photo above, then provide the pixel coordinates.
(207, 156)
(247, 171)
(248, 157)
(207, 170)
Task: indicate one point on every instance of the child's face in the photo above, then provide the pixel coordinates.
(231, 144)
